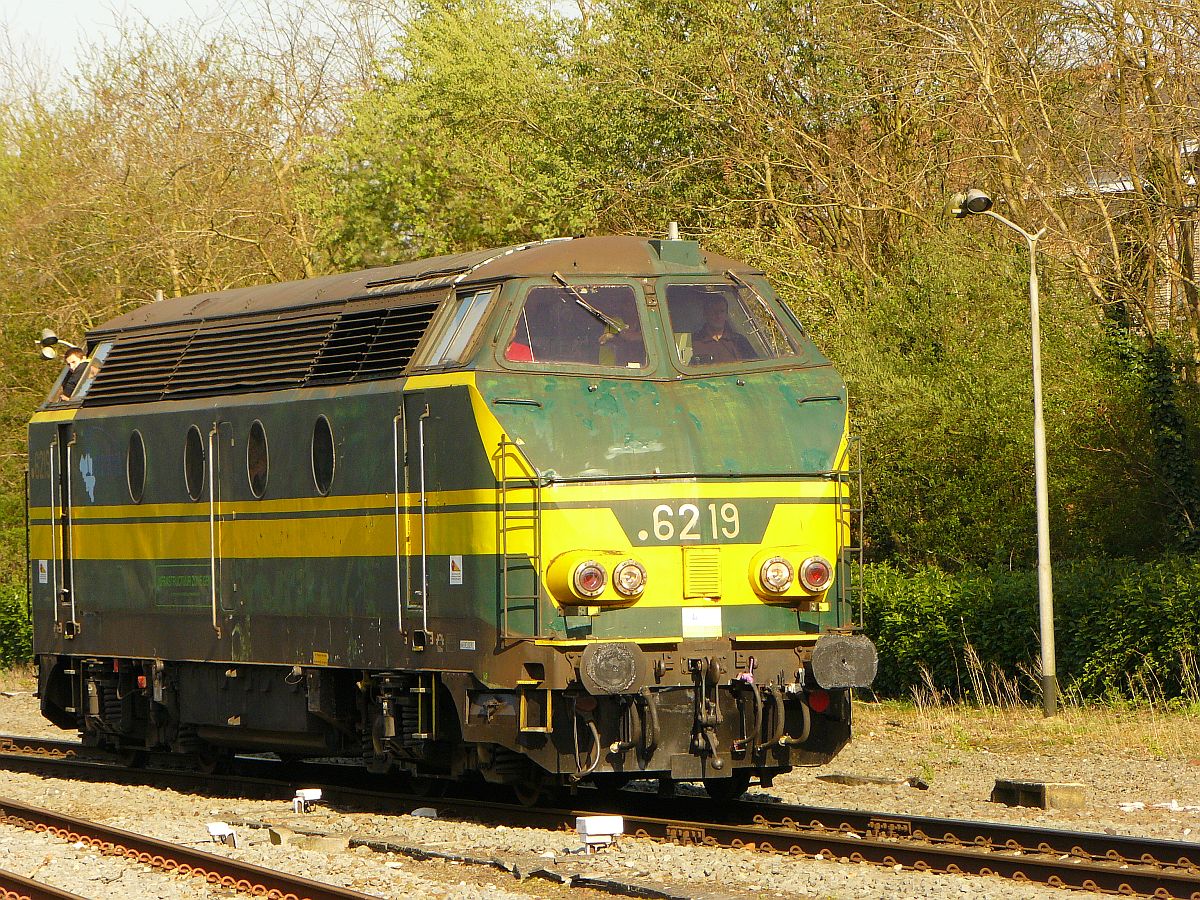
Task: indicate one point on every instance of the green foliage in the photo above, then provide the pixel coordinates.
(819, 146)
(16, 633)
(937, 355)
(1152, 364)
(468, 140)
(1118, 626)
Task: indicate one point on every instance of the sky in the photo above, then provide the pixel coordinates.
(59, 28)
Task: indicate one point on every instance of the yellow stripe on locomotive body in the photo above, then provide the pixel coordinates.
(572, 514)
(673, 516)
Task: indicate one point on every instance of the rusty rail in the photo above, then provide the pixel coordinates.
(227, 873)
(18, 887)
(995, 836)
(1102, 863)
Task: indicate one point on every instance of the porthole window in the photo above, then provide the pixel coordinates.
(193, 463)
(322, 455)
(256, 459)
(135, 467)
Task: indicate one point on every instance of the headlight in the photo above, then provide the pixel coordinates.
(776, 574)
(590, 578)
(629, 578)
(816, 574)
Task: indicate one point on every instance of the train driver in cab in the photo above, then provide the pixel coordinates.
(717, 340)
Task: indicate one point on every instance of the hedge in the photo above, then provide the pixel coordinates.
(1123, 629)
(16, 634)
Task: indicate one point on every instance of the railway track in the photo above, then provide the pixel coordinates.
(229, 874)
(18, 887)
(1102, 863)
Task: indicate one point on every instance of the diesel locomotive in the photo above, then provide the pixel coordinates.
(574, 511)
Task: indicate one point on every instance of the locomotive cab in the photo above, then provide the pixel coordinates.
(571, 511)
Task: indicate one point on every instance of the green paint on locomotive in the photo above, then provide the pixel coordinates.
(776, 423)
(763, 423)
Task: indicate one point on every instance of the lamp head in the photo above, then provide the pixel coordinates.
(972, 203)
(48, 338)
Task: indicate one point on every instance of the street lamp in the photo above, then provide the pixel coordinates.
(976, 203)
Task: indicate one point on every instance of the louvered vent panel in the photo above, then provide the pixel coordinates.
(255, 357)
(373, 344)
(223, 358)
(138, 369)
(701, 572)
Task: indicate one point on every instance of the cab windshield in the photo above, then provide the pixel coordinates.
(716, 324)
(584, 324)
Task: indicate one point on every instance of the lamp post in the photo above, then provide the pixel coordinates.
(976, 203)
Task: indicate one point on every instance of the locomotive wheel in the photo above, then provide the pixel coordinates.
(531, 788)
(728, 788)
(133, 758)
(379, 765)
(425, 785)
(211, 761)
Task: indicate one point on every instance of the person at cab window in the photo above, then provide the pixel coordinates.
(717, 340)
(76, 367)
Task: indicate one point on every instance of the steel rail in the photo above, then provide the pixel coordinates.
(18, 887)
(996, 836)
(1098, 862)
(216, 870)
(1126, 879)
(15, 743)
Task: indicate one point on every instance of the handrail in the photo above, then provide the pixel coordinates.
(69, 543)
(396, 424)
(212, 524)
(546, 480)
(424, 531)
(849, 524)
(55, 523)
(505, 523)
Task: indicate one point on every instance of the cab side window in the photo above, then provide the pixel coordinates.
(457, 326)
(77, 376)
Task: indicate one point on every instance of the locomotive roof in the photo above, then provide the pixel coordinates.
(611, 255)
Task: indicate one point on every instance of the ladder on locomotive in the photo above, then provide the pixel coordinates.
(519, 518)
(849, 525)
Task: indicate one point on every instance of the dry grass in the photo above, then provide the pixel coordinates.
(18, 678)
(1131, 731)
(1147, 727)
(999, 719)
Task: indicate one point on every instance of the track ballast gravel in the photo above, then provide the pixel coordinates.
(678, 871)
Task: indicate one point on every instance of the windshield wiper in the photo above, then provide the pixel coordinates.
(762, 301)
(748, 286)
(609, 322)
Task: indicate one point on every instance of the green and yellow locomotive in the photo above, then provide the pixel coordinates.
(572, 511)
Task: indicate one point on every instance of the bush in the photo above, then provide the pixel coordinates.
(16, 632)
(1120, 628)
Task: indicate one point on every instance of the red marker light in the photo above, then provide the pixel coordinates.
(590, 578)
